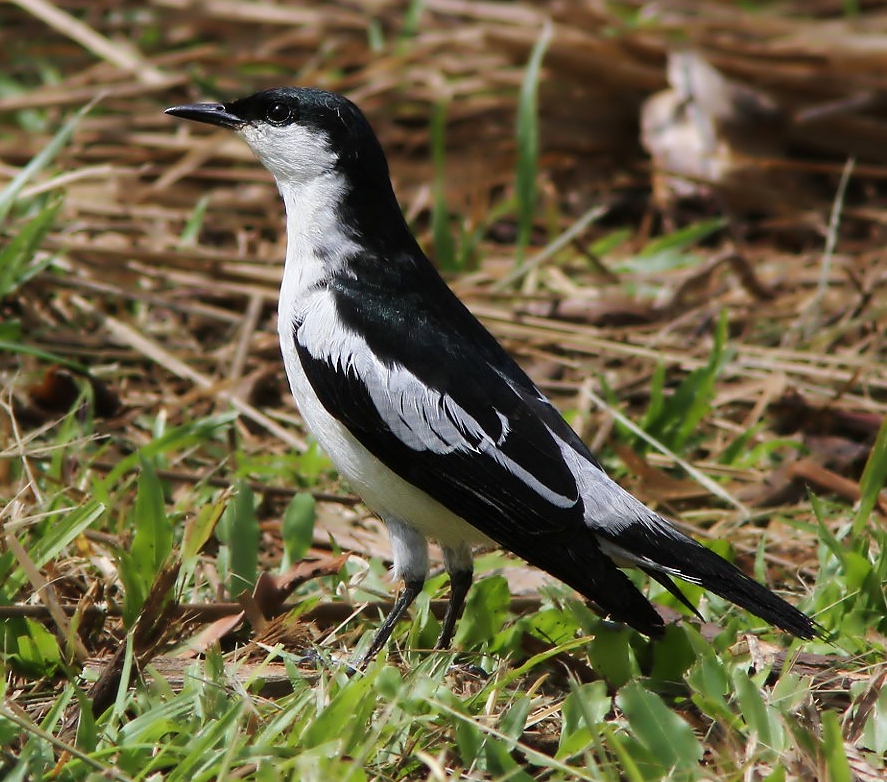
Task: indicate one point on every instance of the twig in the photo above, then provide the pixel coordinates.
(247, 328)
(149, 348)
(812, 316)
(699, 476)
(324, 614)
(124, 57)
(222, 482)
(47, 593)
(28, 728)
(554, 247)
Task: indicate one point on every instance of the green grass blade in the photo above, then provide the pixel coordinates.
(199, 530)
(53, 540)
(697, 475)
(629, 767)
(485, 611)
(673, 420)
(152, 541)
(179, 437)
(45, 355)
(874, 476)
(760, 718)
(528, 143)
(683, 238)
(29, 648)
(833, 747)
(668, 737)
(297, 528)
(209, 744)
(195, 222)
(239, 530)
(17, 263)
(41, 160)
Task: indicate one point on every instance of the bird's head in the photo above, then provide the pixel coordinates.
(326, 160)
(298, 133)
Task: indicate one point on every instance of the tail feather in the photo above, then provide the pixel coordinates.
(654, 545)
(662, 578)
(593, 574)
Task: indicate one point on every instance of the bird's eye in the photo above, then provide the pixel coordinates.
(279, 113)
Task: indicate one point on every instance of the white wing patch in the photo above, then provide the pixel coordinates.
(422, 418)
(611, 510)
(624, 558)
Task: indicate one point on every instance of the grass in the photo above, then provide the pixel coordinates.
(184, 581)
(526, 173)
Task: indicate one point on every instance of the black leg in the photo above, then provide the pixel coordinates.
(404, 600)
(460, 583)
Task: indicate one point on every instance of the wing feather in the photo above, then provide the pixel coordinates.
(423, 386)
(480, 476)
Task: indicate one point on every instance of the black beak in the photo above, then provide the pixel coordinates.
(210, 113)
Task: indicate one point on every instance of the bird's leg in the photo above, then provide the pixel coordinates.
(410, 555)
(404, 600)
(460, 583)
(459, 565)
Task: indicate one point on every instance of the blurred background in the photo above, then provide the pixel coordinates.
(672, 213)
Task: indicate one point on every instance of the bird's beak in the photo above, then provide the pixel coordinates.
(210, 113)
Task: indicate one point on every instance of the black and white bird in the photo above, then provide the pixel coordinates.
(434, 425)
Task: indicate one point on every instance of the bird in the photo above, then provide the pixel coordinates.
(423, 412)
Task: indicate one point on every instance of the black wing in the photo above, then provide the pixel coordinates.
(427, 390)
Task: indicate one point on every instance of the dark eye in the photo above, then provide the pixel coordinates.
(279, 113)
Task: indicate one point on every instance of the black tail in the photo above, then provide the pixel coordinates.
(660, 549)
(674, 589)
